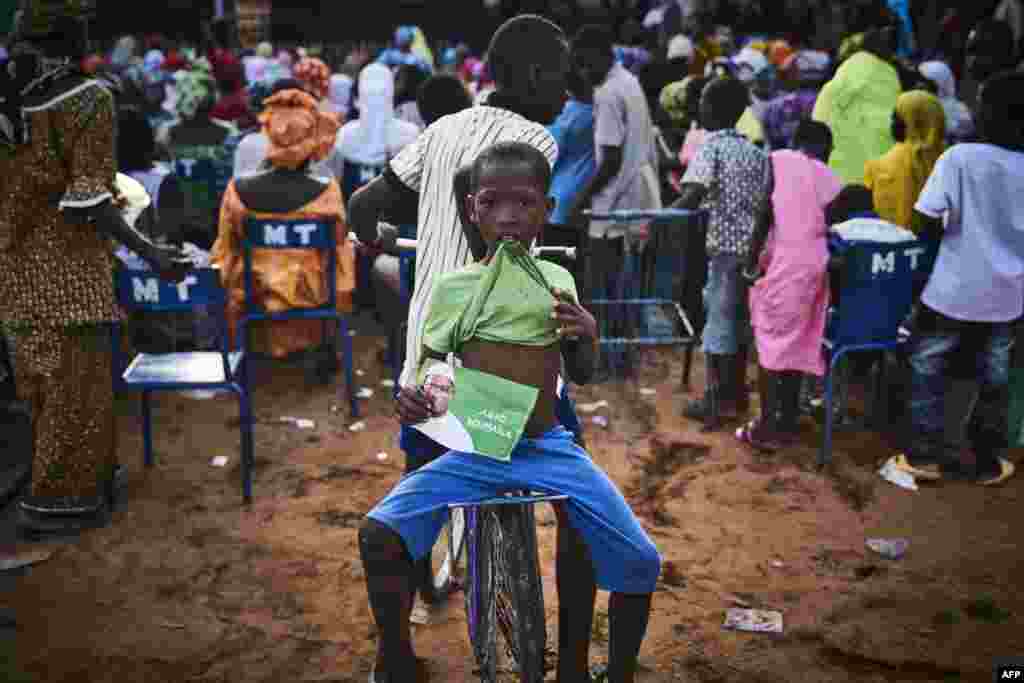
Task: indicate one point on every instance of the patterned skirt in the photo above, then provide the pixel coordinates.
(65, 376)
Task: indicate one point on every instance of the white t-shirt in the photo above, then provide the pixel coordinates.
(623, 119)
(428, 166)
(979, 271)
(252, 152)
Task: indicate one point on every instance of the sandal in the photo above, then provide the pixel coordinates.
(1006, 470)
(750, 434)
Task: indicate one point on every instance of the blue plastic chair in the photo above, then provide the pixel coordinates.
(406, 273)
(204, 180)
(876, 294)
(311, 234)
(143, 290)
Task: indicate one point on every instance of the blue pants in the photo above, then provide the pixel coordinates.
(421, 449)
(726, 300)
(624, 557)
(935, 340)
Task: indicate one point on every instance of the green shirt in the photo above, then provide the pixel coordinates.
(508, 300)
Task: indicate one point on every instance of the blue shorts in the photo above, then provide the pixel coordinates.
(421, 449)
(727, 323)
(625, 559)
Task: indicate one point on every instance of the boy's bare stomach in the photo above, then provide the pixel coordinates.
(535, 366)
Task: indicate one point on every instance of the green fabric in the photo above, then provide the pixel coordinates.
(857, 104)
(508, 300)
(7, 10)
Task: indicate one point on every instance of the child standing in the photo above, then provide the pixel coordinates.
(788, 302)
(976, 290)
(729, 177)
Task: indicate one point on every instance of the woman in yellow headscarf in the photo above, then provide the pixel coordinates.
(897, 178)
(298, 135)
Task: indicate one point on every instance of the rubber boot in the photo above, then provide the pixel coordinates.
(788, 403)
(717, 399)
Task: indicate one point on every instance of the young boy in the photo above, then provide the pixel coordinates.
(976, 290)
(729, 176)
(521, 334)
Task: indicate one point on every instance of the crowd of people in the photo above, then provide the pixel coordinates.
(794, 148)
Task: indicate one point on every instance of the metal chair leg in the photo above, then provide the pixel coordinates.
(246, 427)
(346, 345)
(147, 430)
(825, 456)
(687, 367)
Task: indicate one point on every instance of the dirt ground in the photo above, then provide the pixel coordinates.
(188, 585)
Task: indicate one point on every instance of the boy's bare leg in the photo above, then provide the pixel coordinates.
(390, 585)
(627, 624)
(577, 592)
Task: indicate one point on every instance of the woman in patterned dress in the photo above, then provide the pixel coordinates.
(57, 216)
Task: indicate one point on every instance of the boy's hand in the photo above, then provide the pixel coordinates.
(574, 321)
(412, 406)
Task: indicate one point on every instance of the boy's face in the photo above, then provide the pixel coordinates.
(509, 203)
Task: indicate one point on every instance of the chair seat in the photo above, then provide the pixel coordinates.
(199, 367)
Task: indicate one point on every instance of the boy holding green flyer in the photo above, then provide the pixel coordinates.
(511, 320)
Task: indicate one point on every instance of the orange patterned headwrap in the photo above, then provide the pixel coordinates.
(314, 76)
(296, 130)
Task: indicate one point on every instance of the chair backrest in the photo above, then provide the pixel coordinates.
(315, 234)
(878, 290)
(143, 290)
(356, 175)
(204, 178)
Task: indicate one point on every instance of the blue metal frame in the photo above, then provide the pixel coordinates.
(689, 342)
(142, 290)
(316, 234)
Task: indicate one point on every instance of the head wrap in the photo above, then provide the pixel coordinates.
(673, 99)
(258, 92)
(808, 66)
(314, 76)
(778, 52)
(195, 89)
(296, 130)
(123, 53)
(421, 48)
(376, 103)
(404, 35)
(749, 64)
(942, 76)
(925, 122)
(265, 50)
(339, 96)
(680, 47)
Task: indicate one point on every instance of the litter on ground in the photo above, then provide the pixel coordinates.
(220, 461)
(889, 548)
(357, 426)
(753, 620)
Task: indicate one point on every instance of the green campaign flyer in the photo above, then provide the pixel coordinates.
(486, 415)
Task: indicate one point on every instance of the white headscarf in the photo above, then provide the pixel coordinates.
(339, 94)
(959, 122)
(376, 104)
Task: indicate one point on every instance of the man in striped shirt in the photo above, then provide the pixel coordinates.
(529, 58)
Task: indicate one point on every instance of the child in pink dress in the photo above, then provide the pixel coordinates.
(788, 302)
